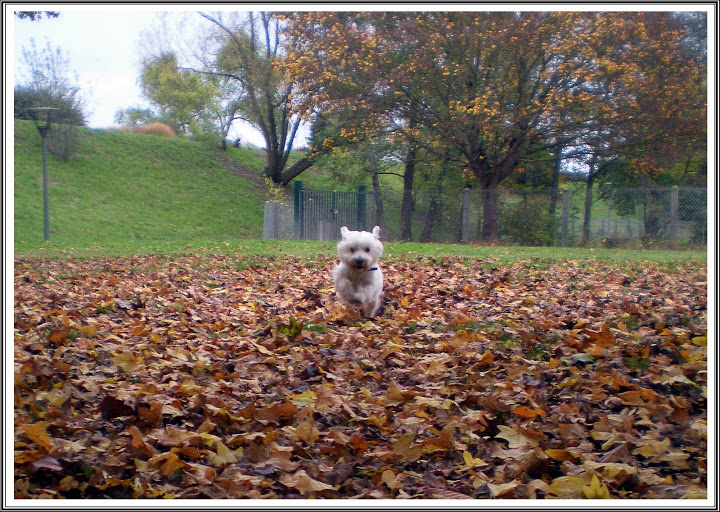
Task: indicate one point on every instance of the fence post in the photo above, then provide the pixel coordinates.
(465, 228)
(362, 207)
(674, 195)
(371, 209)
(565, 216)
(297, 198)
(271, 220)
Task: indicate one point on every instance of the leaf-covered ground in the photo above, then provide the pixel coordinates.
(213, 377)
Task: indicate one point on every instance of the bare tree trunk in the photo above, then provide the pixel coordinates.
(491, 212)
(431, 215)
(435, 201)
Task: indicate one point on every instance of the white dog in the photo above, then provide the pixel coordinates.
(358, 278)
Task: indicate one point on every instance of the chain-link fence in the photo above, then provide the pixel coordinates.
(610, 217)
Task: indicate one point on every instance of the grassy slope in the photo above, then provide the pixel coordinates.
(132, 194)
(134, 190)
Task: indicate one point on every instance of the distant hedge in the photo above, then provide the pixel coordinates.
(159, 129)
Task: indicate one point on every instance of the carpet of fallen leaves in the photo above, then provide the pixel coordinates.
(216, 377)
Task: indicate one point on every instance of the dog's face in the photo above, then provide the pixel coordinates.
(360, 250)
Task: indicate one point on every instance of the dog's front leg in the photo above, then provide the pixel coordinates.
(371, 307)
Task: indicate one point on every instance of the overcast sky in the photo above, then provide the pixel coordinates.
(102, 44)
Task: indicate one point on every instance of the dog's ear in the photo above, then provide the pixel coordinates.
(376, 232)
(344, 232)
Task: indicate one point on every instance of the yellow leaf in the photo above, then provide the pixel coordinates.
(394, 392)
(404, 446)
(700, 340)
(127, 361)
(596, 490)
(304, 483)
(497, 490)
(653, 448)
(141, 465)
(567, 487)
(38, 434)
(58, 397)
(224, 455)
(389, 479)
(471, 461)
(561, 455)
(569, 382)
(305, 399)
(307, 432)
(168, 463)
(514, 438)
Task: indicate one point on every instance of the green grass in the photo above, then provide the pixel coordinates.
(248, 250)
(131, 190)
(126, 194)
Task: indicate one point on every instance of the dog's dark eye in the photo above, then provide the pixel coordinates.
(352, 249)
(367, 249)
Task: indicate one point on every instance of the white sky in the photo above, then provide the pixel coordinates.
(103, 46)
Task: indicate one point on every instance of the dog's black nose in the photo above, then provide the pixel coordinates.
(359, 262)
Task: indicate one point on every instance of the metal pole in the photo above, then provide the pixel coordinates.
(46, 207)
(41, 118)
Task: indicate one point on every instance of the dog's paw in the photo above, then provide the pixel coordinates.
(381, 309)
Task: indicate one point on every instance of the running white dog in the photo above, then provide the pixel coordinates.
(358, 278)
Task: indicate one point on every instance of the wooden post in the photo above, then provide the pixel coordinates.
(271, 220)
(362, 208)
(565, 216)
(674, 196)
(297, 198)
(465, 220)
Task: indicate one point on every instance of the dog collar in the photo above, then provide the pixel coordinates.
(374, 268)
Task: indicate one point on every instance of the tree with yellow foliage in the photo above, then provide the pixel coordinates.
(500, 87)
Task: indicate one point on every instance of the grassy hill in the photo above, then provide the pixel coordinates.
(136, 191)
(126, 193)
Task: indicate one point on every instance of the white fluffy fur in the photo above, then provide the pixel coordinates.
(358, 278)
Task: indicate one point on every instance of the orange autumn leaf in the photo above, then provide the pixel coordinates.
(37, 432)
(348, 408)
(526, 412)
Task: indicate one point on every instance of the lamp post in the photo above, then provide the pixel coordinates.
(41, 118)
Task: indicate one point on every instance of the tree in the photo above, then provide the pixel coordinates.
(36, 15)
(183, 99)
(135, 116)
(343, 70)
(651, 100)
(248, 56)
(45, 81)
(499, 87)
